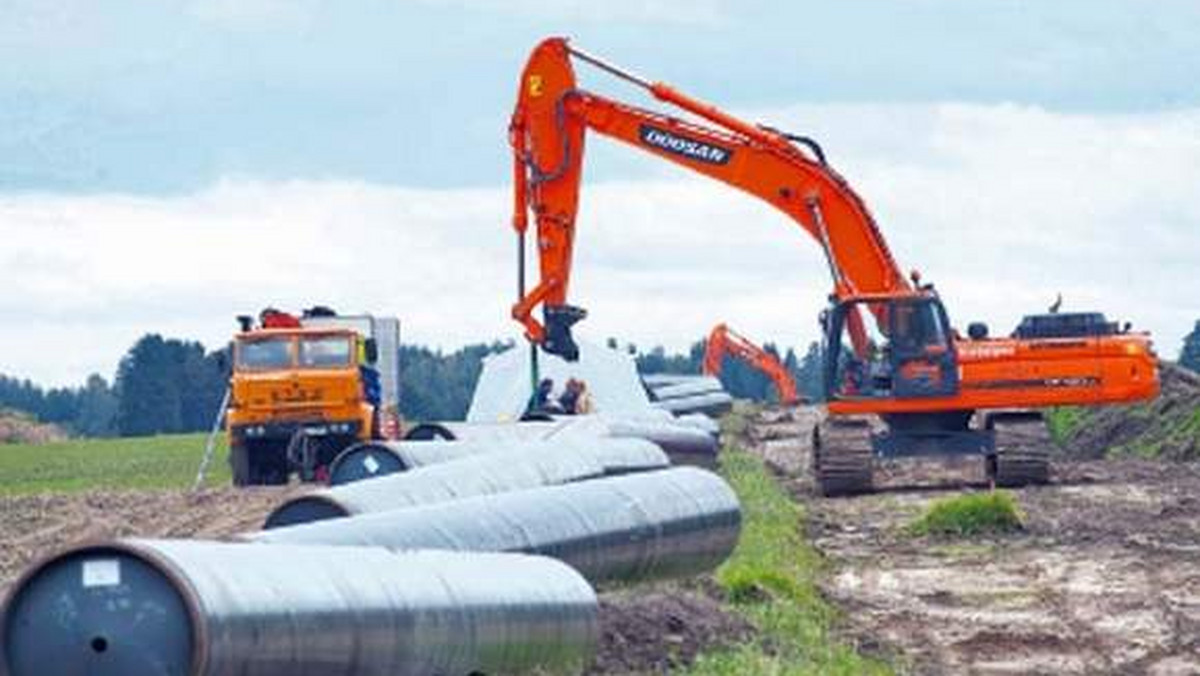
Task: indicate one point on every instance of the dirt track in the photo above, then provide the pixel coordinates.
(1106, 579)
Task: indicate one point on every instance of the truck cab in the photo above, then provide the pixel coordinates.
(301, 392)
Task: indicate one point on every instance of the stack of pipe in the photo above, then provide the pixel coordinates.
(688, 440)
(157, 607)
(526, 466)
(690, 394)
(666, 523)
(475, 557)
(685, 444)
(466, 431)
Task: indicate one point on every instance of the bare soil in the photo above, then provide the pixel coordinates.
(34, 526)
(645, 629)
(1105, 578)
(652, 631)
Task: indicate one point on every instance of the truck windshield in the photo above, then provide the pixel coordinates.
(326, 352)
(265, 353)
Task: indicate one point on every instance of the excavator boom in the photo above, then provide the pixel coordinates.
(724, 341)
(547, 136)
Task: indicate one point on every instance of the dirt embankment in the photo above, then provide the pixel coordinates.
(22, 428)
(1166, 428)
(1105, 578)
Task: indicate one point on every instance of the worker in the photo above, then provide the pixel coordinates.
(372, 388)
(541, 396)
(569, 399)
(584, 403)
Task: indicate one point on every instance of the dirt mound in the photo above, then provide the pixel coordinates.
(21, 428)
(1166, 428)
(659, 631)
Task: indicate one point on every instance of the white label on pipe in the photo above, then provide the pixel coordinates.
(371, 464)
(101, 573)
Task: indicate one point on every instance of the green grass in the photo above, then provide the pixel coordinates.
(1063, 421)
(136, 463)
(772, 580)
(971, 514)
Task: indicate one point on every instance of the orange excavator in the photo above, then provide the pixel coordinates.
(724, 341)
(899, 380)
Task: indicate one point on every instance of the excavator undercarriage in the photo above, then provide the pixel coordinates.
(1013, 445)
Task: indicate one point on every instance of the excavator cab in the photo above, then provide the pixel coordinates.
(907, 351)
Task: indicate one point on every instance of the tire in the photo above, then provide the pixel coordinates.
(240, 466)
(270, 463)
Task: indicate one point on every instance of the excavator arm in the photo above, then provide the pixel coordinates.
(547, 134)
(723, 341)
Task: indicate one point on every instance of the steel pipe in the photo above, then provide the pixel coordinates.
(655, 380)
(669, 523)
(700, 422)
(519, 467)
(466, 431)
(379, 458)
(375, 458)
(685, 445)
(691, 388)
(713, 403)
(163, 607)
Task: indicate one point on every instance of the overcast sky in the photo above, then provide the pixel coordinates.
(165, 166)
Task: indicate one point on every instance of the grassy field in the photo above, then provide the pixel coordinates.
(772, 580)
(146, 462)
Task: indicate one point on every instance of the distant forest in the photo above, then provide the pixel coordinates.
(166, 385)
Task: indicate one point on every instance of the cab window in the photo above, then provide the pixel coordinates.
(265, 353)
(326, 352)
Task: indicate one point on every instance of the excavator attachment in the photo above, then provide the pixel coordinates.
(559, 320)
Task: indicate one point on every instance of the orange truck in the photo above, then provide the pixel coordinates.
(304, 388)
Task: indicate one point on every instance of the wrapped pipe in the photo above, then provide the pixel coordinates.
(697, 386)
(163, 607)
(669, 523)
(684, 444)
(711, 403)
(522, 466)
(467, 431)
(379, 458)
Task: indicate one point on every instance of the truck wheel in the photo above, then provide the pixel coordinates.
(239, 463)
(271, 464)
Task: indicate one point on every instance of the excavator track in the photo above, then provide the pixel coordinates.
(842, 458)
(1022, 451)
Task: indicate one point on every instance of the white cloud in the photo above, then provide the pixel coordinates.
(1002, 207)
(695, 12)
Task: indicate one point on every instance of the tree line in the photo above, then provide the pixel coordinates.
(167, 385)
